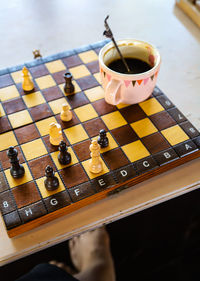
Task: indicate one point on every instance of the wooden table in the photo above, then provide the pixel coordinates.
(178, 40)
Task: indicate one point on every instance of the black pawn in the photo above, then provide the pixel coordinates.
(16, 170)
(102, 139)
(64, 157)
(51, 182)
(68, 87)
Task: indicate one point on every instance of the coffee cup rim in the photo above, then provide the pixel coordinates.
(130, 76)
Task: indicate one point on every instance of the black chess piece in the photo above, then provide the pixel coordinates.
(102, 139)
(64, 157)
(51, 182)
(68, 87)
(16, 170)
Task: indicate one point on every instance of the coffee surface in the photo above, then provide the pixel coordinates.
(135, 65)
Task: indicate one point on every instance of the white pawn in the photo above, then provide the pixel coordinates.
(27, 84)
(66, 114)
(55, 133)
(95, 163)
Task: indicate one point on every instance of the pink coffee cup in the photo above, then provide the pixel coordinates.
(128, 88)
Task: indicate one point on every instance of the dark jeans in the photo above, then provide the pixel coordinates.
(47, 272)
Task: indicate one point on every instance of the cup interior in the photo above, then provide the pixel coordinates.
(130, 49)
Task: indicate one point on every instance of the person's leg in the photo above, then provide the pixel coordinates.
(90, 254)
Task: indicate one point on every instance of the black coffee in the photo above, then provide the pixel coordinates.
(135, 65)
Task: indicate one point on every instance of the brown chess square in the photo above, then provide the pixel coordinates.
(93, 66)
(77, 100)
(14, 105)
(133, 113)
(115, 159)
(155, 143)
(94, 126)
(26, 194)
(103, 107)
(5, 80)
(52, 93)
(27, 133)
(38, 166)
(87, 82)
(124, 135)
(4, 124)
(82, 150)
(38, 71)
(40, 112)
(58, 76)
(72, 61)
(4, 185)
(162, 120)
(73, 175)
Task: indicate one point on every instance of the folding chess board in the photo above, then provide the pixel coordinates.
(145, 139)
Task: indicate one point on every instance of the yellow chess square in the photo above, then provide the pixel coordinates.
(7, 139)
(43, 125)
(33, 99)
(85, 112)
(18, 76)
(135, 151)
(97, 76)
(56, 105)
(144, 127)
(44, 192)
(92, 175)
(122, 105)
(151, 106)
(95, 93)
(20, 118)
(8, 93)
(77, 89)
(114, 120)
(55, 66)
(59, 166)
(34, 149)
(76, 134)
(175, 135)
(46, 81)
(79, 71)
(15, 182)
(2, 112)
(88, 56)
(111, 143)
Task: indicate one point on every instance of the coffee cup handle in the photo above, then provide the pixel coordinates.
(112, 93)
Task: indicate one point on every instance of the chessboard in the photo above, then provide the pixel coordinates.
(145, 139)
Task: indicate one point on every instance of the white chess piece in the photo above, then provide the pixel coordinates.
(27, 84)
(66, 114)
(55, 133)
(95, 163)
